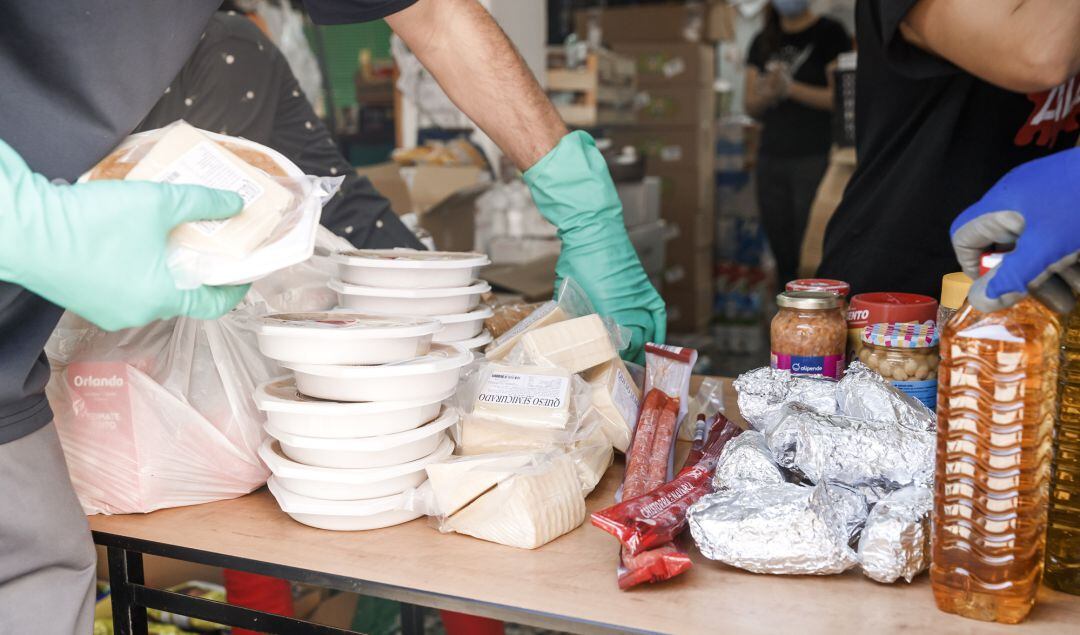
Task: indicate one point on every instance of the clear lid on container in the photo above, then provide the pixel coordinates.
(839, 287)
(447, 418)
(441, 358)
(481, 313)
(475, 288)
(271, 454)
(401, 258)
(281, 395)
(293, 503)
(814, 300)
(350, 325)
(901, 335)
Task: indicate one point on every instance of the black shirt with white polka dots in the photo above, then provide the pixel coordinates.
(238, 83)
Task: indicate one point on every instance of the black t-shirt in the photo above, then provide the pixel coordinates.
(792, 129)
(931, 139)
(79, 75)
(254, 95)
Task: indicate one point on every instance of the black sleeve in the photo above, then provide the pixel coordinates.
(349, 11)
(838, 40)
(756, 57)
(882, 18)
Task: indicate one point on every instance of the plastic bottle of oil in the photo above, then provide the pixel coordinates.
(1063, 532)
(997, 396)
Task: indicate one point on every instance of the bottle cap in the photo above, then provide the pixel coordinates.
(990, 260)
(808, 300)
(872, 308)
(954, 289)
(901, 335)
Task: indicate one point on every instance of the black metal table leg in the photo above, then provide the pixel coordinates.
(412, 619)
(125, 570)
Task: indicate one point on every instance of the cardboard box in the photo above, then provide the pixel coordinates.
(689, 290)
(444, 199)
(676, 105)
(534, 280)
(671, 63)
(710, 21)
(670, 149)
(640, 200)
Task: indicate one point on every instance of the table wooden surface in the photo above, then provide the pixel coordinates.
(568, 584)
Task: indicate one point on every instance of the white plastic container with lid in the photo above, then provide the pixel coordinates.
(476, 343)
(367, 452)
(426, 302)
(349, 515)
(462, 326)
(425, 377)
(329, 483)
(409, 268)
(288, 410)
(344, 338)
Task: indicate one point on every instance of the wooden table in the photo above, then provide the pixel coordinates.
(567, 585)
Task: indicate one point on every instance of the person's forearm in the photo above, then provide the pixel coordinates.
(1020, 45)
(756, 104)
(819, 97)
(483, 74)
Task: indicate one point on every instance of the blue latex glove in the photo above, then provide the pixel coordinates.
(574, 191)
(1036, 206)
(98, 249)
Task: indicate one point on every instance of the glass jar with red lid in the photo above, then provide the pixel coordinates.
(876, 308)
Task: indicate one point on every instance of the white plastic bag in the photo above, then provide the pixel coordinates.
(163, 415)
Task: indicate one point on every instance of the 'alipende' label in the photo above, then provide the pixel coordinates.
(826, 365)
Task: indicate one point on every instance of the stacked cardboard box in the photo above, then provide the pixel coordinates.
(675, 132)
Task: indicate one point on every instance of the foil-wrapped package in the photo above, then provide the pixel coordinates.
(747, 461)
(780, 529)
(764, 391)
(864, 394)
(852, 451)
(851, 506)
(895, 542)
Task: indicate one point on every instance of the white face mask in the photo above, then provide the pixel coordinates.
(790, 8)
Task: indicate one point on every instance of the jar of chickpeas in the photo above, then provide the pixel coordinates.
(906, 354)
(809, 333)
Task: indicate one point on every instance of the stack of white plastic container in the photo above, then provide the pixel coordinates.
(438, 284)
(353, 428)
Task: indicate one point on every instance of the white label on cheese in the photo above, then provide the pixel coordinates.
(205, 164)
(522, 389)
(624, 395)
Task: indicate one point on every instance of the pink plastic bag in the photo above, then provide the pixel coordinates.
(163, 415)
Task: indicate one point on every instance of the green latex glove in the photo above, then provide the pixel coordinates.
(574, 191)
(98, 249)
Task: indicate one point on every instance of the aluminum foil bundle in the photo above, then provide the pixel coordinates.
(852, 451)
(896, 540)
(780, 529)
(764, 391)
(864, 394)
(851, 506)
(747, 461)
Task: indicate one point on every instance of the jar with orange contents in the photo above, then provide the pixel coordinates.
(809, 333)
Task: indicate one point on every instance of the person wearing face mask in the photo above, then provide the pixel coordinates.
(789, 89)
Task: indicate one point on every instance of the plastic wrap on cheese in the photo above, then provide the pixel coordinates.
(458, 482)
(616, 400)
(547, 313)
(576, 345)
(592, 455)
(513, 408)
(282, 206)
(527, 510)
(184, 155)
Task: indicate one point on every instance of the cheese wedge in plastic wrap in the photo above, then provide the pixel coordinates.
(576, 345)
(616, 400)
(457, 483)
(184, 155)
(548, 313)
(592, 455)
(527, 510)
(517, 408)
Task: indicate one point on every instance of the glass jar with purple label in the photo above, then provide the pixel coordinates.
(809, 333)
